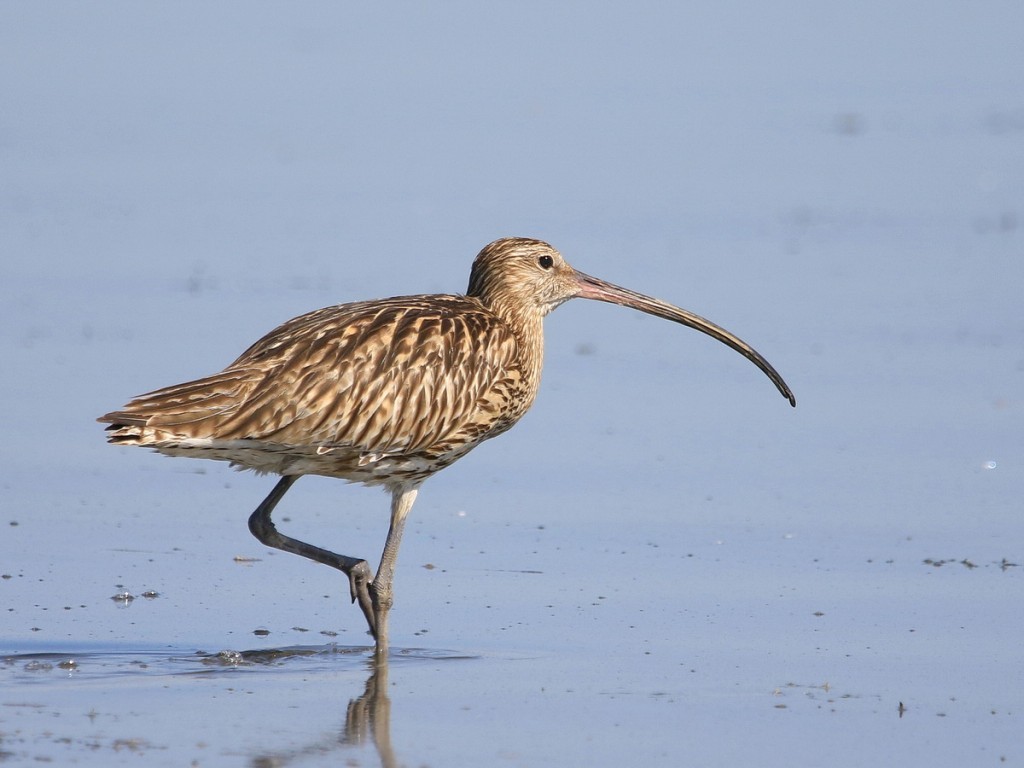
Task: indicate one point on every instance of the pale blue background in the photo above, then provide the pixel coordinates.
(664, 563)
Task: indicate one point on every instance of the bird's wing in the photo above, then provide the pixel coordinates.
(394, 376)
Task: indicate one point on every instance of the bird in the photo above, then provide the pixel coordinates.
(384, 393)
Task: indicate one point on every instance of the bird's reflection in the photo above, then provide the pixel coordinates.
(369, 715)
(367, 719)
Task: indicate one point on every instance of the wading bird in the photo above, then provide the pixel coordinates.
(384, 393)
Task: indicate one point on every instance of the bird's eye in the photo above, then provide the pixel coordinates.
(545, 261)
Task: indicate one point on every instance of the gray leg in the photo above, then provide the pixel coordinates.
(360, 577)
(402, 498)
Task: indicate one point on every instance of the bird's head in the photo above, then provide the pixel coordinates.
(522, 274)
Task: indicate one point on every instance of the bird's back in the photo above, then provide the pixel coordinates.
(364, 391)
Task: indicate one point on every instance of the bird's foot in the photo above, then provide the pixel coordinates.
(382, 601)
(360, 581)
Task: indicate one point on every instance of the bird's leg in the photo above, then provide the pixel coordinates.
(360, 577)
(402, 498)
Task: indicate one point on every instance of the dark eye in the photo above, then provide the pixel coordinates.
(545, 261)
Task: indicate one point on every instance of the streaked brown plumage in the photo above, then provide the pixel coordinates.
(369, 392)
(383, 392)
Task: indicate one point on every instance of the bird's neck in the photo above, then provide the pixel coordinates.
(528, 328)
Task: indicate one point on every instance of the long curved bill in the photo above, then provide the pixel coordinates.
(599, 290)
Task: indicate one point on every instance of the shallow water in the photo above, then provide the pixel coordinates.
(530, 647)
(663, 563)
